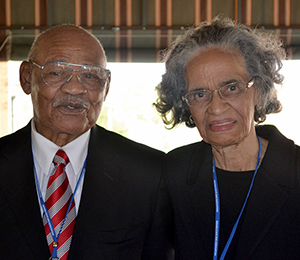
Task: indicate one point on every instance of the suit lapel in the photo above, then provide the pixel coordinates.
(269, 194)
(201, 193)
(99, 183)
(270, 186)
(260, 213)
(19, 186)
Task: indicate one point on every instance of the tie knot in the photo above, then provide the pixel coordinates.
(61, 158)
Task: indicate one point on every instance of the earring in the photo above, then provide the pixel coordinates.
(258, 107)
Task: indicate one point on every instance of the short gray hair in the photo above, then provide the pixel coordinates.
(262, 51)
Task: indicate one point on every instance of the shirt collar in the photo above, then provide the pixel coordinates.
(44, 150)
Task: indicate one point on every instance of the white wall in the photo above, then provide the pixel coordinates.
(132, 93)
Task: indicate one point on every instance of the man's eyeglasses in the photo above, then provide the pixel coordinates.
(230, 91)
(57, 73)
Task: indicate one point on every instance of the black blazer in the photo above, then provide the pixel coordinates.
(124, 210)
(270, 225)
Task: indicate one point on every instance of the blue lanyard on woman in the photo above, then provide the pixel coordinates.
(45, 210)
(217, 212)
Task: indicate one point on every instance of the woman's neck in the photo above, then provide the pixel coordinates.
(239, 157)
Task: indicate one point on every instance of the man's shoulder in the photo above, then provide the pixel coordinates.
(15, 145)
(120, 151)
(112, 140)
(16, 139)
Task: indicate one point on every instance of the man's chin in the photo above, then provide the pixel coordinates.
(72, 128)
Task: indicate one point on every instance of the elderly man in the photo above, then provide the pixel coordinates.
(70, 189)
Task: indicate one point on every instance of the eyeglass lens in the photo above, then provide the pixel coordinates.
(229, 91)
(56, 74)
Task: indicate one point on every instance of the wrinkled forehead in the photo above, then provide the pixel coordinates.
(70, 44)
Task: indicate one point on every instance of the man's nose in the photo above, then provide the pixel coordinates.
(74, 85)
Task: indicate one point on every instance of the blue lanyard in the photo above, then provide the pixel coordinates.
(45, 210)
(217, 206)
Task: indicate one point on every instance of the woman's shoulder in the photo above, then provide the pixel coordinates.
(187, 153)
(275, 138)
(188, 148)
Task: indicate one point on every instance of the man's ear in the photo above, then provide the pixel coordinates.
(25, 77)
(107, 87)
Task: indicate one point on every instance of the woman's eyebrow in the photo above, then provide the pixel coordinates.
(230, 81)
(197, 89)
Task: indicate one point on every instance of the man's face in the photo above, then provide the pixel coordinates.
(68, 111)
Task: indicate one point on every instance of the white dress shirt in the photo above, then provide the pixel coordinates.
(43, 154)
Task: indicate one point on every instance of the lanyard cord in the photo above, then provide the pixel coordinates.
(217, 206)
(45, 210)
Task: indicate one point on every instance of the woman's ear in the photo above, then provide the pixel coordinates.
(25, 77)
(257, 97)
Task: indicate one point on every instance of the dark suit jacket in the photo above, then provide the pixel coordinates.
(270, 225)
(124, 210)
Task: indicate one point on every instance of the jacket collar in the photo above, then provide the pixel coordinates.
(270, 185)
(19, 188)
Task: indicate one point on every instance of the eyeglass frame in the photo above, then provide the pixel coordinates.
(248, 85)
(70, 76)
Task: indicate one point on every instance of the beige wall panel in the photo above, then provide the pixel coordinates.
(22, 12)
(224, 7)
(137, 12)
(143, 39)
(295, 40)
(150, 12)
(103, 12)
(295, 12)
(63, 11)
(183, 13)
(262, 12)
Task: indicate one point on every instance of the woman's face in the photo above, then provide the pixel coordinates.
(221, 122)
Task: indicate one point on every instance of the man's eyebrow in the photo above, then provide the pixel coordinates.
(56, 60)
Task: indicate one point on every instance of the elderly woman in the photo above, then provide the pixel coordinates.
(236, 194)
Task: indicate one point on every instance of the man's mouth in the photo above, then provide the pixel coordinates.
(72, 105)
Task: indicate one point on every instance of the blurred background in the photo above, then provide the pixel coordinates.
(134, 33)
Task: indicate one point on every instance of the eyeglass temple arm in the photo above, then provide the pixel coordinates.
(39, 66)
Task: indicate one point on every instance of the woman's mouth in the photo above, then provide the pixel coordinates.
(221, 126)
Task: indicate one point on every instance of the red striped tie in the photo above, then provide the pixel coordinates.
(58, 196)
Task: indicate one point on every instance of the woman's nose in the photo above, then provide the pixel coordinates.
(217, 105)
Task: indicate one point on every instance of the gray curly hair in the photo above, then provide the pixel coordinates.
(263, 53)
